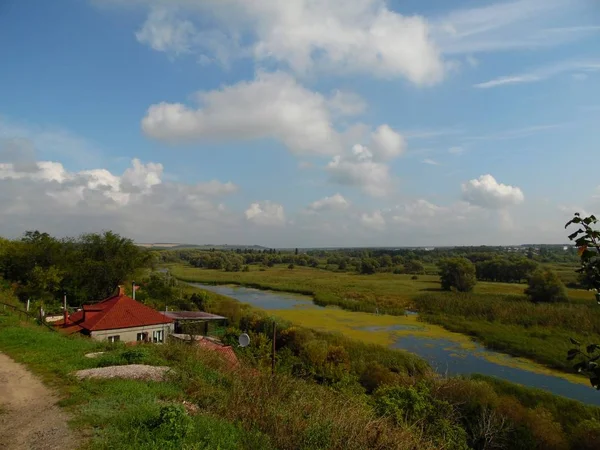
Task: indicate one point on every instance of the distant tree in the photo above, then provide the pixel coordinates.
(414, 266)
(342, 265)
(546, 287)
(368, 266)
(246, 268)
(291, 266)
(457, 273)
(296, 252)
(313, 262)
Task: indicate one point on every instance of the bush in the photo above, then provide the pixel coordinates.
(545, 287)
(457, 273)
(414, 405)
(587, 435)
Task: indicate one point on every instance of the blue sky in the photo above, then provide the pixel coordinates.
(300, 123)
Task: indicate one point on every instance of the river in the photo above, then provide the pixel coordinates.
(447, 352)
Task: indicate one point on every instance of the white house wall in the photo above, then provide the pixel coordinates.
(130, 334)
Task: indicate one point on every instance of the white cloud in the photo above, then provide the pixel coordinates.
(344, 103)
(374, 221)
(486, 192)
(366, 167)
(334, 203)
(542, 73)
(360, 170)
(164, 32)
(274, 105)
(387, 143)
(456, 150)
(266, 213)
(355, 36)
(509, 25)
(137, 203)
(431, 162)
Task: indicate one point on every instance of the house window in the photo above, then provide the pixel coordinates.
(141, 337)
(158, 336)
(116, 338)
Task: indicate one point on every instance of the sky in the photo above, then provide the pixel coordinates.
(304, 123)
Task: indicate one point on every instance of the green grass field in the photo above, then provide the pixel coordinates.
(384, 290)
(496, 314)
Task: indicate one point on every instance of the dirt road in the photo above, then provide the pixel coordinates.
(29, 417)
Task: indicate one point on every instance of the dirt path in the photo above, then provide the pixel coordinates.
(29, 417)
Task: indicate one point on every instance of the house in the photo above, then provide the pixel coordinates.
(118, 318)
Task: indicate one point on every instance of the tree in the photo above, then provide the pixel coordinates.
(587, 240)
(291, 266)
(414, 266)
(367, 266)
(457, 273)
(546, 287)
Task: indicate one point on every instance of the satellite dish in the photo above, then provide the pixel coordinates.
(244, 340)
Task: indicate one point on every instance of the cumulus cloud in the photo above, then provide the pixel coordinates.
(334, 203)
(486, 192)
(273, 105)
(137, 203)
(356, 36)
(266, 213)
(366, 167)
(359, 169)
(163, 31)
(387, 143)
(344, 103)
(373, 221)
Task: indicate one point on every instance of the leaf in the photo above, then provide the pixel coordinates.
(574, 341)
(574, 235)
(595, 382)
(592, 348)
(571, 357)
(579, 366)
(582, 250)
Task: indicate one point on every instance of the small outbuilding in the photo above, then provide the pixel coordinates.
(194, 322)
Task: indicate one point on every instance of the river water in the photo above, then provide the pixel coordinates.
(447, 356)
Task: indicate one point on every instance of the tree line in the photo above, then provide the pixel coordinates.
(87, 268)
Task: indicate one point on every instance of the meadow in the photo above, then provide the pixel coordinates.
(496, 314)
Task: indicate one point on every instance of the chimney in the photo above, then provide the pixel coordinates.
(133, 289)
(121, 290)
(65, 312)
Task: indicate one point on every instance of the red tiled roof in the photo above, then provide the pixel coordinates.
(225, 351)
(115, 312)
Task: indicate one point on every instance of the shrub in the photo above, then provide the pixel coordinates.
(457, 273)
(545, 287)
(587, 435)
(414, 405)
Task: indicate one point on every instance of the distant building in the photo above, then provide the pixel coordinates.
(118, 318)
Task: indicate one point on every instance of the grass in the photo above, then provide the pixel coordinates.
(238, 410)
(388, 292)
(496, 314)
(515, 326)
